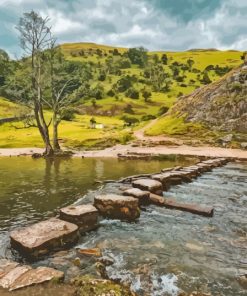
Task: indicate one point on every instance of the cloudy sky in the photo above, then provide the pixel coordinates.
(154, 24)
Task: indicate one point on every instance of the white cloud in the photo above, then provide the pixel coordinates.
(135, 23)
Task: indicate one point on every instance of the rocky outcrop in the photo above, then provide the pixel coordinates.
(14, 276)
(221, 105)
(41, 238)
(150, 185)
(117, 206)
(84, 216)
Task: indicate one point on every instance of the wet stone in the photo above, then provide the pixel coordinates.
(14, 276)
(84, 216)
(41, 238)
(117, 206)
(142, 196)
(150, 185)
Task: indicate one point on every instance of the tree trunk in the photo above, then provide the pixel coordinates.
(55, 132)
(43, 132)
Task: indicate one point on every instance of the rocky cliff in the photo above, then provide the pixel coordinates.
(221, 106)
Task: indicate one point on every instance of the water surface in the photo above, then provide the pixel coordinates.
(166, 250)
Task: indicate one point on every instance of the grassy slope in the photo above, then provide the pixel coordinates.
(78, 133)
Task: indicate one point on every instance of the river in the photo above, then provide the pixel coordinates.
(165, 251)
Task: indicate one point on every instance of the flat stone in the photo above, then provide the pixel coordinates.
(11, 277)
(6, 266)
(142, 196)
(117, 206)
(41, 238)
(157, 199)
(172, 204)
(192, 208)
(36, 276)
(84, 216)
(150, 185)
(90, 252)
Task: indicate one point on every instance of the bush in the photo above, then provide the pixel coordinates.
(148, 117)
(111, 93)
(128, 109)
(129, 120)
(163, 110)
(68, 114)
(132, 93)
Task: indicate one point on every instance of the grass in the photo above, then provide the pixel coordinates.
(9, 109)
(174, 126)
(77, 133)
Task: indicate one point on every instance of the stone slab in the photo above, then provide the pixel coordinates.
(36, 276)
(172, 204)
(84, 216)
(142, 196)
(14, 276)
(150, 185)
(41, 238)
(117, 206)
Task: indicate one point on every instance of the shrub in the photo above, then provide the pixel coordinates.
(163, 110)
(129, 120)
(68, 114)
(148, 117)
(132, 93)
(111, 93)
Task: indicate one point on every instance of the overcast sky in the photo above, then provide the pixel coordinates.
(154, 24)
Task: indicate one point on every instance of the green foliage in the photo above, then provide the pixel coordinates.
(132, 93)
(68, 114)
(138, 56)
(148, 117)
(163, 110)
(129, 120)
(123, 84)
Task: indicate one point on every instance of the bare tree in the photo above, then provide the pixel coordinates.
(35, 38)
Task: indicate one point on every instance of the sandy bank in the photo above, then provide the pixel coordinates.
(124, 149)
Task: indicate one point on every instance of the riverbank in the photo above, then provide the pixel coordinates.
(128, 149)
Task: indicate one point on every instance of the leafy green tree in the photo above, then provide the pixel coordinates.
(138, 56)
(164, 59)
(190, 63)
(123, 83)
(146, 95)
(132, 93)
(205, 79)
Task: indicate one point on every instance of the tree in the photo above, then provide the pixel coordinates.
(146, 95)
(164, 59)
(35, 38)
(60, 84)
(190, 63)
(138, 56)
(4, 66)
(205, 79)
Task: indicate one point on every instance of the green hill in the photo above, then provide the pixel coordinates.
(122, 85)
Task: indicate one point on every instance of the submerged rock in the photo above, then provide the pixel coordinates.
(117, 206)
(84, 216)
(41, 238)
(150, 185)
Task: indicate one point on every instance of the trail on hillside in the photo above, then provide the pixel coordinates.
(140, 135)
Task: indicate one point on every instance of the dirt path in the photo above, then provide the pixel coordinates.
(139, 134)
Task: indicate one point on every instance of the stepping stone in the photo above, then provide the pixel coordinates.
(84, 216)
(117, 206)
(36, 276)
(192, 208)
(205, 167)
(11, 277)
(172, 204)
(142, 196)
(150, 185)
(41, 238)
(14, 276)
